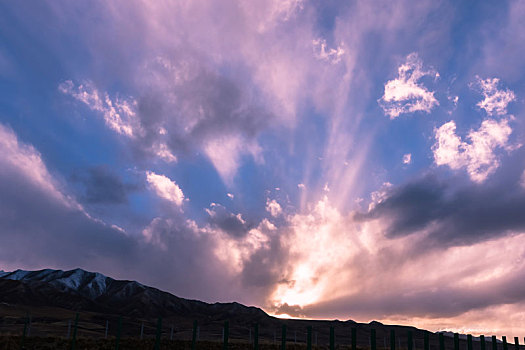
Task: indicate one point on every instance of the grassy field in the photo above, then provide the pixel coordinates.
(49, 343)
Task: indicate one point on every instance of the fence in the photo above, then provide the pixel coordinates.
(293, 334)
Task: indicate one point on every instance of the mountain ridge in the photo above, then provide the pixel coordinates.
(79, 289)
(52, 294)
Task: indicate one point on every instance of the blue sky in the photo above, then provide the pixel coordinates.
(329, 159)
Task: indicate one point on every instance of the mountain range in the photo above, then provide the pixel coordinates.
(55, 294)
(91, 291)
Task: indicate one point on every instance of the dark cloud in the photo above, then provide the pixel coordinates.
(184, 261)
(452, 214)
(43, 230)
(292, 310)
(266, 267)
(102, 186)
(232, 224)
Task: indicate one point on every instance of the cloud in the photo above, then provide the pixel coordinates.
(232, 224)
(478, 156)
(450, 215)
(266, 15)
(38, 216)
(164, 153)
(332, 55)
(122, 116)
(103, 186)
(452, 237)
(27, 162)
(225, 153)
(321, 244)
(462, 294)
(406, 94)
(407, 158)
(187, 106)
(428, 251)
(119, 114)
(495, 101)
(273, 207)
(165, 188)
(264, 262)
(502, 49)
(209, 89)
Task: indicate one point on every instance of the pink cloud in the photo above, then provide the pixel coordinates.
(165, 188)
(478, 156)
(495, 101)
(119, 114)
(24, 160)
(406, 94)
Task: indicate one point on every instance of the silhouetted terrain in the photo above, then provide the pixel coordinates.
(51, 299)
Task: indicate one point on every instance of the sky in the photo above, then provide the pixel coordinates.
(316, 158)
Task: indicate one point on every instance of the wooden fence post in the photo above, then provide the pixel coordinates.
(73, 342)
(309, 338)
(392, 340)
(159, 334)
(494, 343)
(23, 335)
(283, 337)
(194, 335)
(482, 341)
(504, 338)
(119, 330)
(332, 338)
(516, 343)
(469, 341)
(354, 338)
(256, 337)
(226, 334)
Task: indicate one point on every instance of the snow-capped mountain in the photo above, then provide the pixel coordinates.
(89, 284)
(90, 291)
